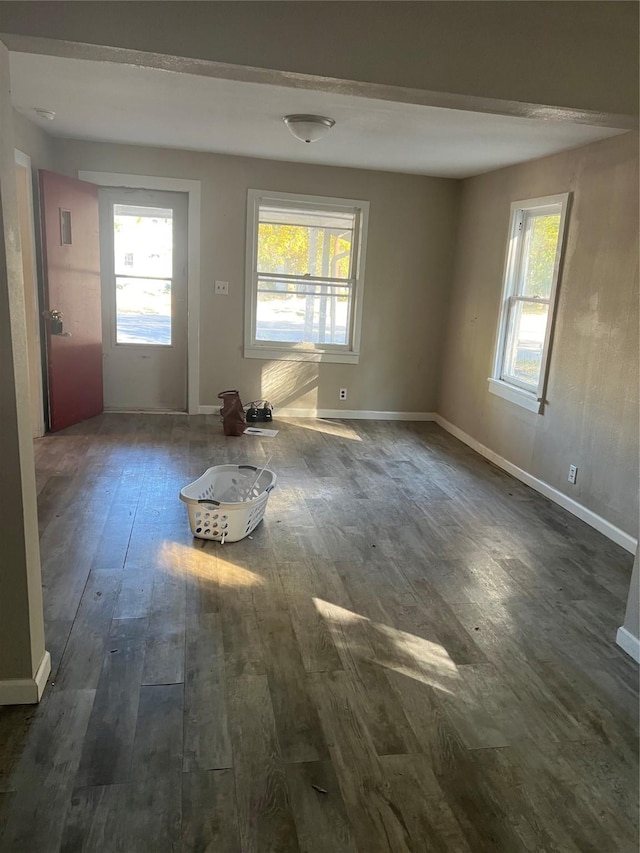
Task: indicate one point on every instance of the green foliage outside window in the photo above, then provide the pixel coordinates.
(301, 251)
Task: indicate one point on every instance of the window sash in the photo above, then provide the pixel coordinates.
(514, 283)
(351, 216)
(505, 375)
(524, 235)
(306, 279)
(355, 213)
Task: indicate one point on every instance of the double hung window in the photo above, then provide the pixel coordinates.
(532, 269)
(305, 277)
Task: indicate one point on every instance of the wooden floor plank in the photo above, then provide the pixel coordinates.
(264, 809)
(165, 648)
(318, 808)
(209, 815)
(106, 752)
(375, 823)
(426, 816)
(84, 651)
(207, 745)
(299, 731)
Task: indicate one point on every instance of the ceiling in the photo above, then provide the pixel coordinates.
(106, 101)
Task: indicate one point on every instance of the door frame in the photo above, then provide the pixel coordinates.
(34, 341)
(193, 191)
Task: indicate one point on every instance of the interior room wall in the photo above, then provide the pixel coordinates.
(408, 267)
(38, 146)
(591, 419)
(581, 54)
(31, 140)
(24, 664)
(631, 625)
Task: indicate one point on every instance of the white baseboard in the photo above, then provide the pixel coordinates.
(346, 414)
(625, 540)
(26, 691)
(114, 410)
(354, 414)
(628, 643)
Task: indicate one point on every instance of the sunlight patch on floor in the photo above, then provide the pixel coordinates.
(408, 654)
(187, 561)
(329, 428)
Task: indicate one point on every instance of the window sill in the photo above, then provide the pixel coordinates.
(526, 399)
(279, 354)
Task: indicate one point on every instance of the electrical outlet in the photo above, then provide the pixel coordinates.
(573, 474)
(222, 288)
(343, 394)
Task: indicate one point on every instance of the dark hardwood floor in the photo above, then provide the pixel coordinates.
(414, 652)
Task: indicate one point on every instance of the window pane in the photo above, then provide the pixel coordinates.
(540, 246)
(300, 318)
(305, 242)
(525, 341)
(143, 311)
(143, 241)
(301, 286)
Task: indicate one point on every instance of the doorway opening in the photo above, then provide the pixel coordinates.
(143, 259)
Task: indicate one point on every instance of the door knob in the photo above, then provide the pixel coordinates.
(55, 317)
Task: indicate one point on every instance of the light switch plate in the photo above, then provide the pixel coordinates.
(222, 288)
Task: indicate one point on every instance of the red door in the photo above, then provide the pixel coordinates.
(71, 261)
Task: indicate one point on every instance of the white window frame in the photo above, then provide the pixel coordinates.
(348, 353)
(507, 387)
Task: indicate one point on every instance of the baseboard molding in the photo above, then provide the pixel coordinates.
(625, 540)
(346, 414)
(26, 691)
(114, 410)
(628, 643)
(354, 414)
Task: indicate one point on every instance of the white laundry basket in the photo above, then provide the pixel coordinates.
(228, 501)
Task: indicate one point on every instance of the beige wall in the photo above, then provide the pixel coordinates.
(29, 139)
(581, 54)
(632, 615)
(21, 624)
(591, 419)
(411, 229)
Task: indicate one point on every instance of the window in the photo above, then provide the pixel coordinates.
(143, 264)
(533, 263)
(305, 277)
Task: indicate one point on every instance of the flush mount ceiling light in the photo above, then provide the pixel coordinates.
(308, 128)
(42, 113)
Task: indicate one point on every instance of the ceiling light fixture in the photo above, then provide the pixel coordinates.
(42, 113)
(308, 128)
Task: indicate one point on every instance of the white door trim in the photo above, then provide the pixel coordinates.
(192, 188)
(22, 159)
